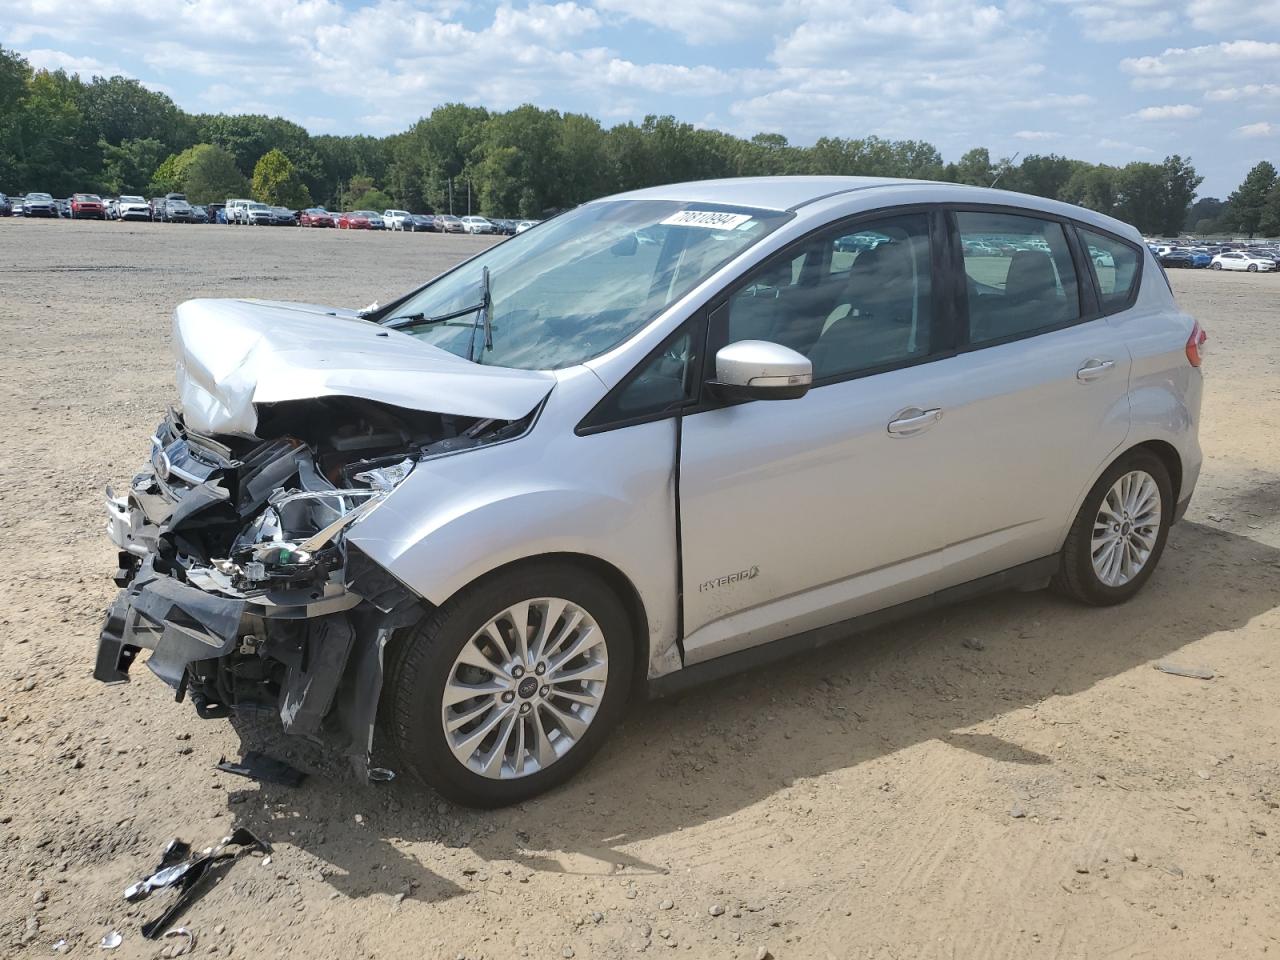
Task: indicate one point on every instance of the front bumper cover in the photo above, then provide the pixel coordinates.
(179, 623)
(307, 650)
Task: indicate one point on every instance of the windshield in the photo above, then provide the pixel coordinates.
(581, 283)
(38, 196)
(259, 206)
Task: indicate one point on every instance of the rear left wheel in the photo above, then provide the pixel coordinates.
(1119, 534)
(509, 688)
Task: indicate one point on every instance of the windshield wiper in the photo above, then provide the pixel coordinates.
(482, 310)
(421, 319)
(482, 317)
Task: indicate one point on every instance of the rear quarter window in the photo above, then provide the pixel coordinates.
(1116, 267)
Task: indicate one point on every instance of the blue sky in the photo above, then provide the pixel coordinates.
(1103, 81)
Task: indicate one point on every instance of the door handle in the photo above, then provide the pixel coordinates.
(1094, 368)
(913, 420)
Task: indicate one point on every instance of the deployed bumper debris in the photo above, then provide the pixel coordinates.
(258, 766)
(236, 574)
(179, 869)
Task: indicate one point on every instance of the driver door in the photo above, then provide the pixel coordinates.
(801, 513)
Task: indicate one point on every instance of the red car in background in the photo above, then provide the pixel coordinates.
(88, 206)
(315, 217)
(353, 221)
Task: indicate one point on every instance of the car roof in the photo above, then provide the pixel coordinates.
(766, 193)
(797, 192)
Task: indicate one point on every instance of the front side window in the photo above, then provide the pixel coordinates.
(581, 283)
(1018, 275)
(1115, 264)
(849, 298)
(661, 384)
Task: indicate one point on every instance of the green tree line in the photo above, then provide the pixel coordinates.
(111, 135)
(1252, 209)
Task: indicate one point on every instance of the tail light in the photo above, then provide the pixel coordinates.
(1195, 342)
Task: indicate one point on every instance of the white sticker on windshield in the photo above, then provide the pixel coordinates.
(711, 219)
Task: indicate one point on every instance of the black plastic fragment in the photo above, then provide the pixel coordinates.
(115, 657)
(192, 873)
(168, 872)
(313, 679)
(258, 766)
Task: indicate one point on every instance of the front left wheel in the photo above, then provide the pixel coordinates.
(510, 687)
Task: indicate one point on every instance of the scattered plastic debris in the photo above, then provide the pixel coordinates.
(381, 775)
(258, 766)
(1195, 673)
(186, 873)
(111, 940)
(178, 949)
(169, 871)
(62, 946)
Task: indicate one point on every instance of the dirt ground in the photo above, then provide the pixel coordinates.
(901, 796)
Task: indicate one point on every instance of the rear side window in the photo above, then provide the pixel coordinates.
(1115, 264)
(1019, 276)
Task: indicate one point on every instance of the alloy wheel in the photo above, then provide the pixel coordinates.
(525, 688)
(1126, 528)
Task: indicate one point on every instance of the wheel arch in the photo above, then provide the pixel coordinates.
(617, 581)
(1163, 449)
(1168, 455)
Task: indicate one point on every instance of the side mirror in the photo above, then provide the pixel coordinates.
(759, 370)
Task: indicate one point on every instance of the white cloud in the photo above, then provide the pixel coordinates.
(1257, 130)
(1244, 92)
(1052, 101)
(838, 29)
(1232, 16)
(668, 78)
(550, 23)
(941, 70)
(1203, 67)
(1037, 135)
(1120, 21)
(86, 67)
(1123, 148)
(1172, 111)
(700, 22)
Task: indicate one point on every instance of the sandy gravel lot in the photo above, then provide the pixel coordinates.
(857, 803)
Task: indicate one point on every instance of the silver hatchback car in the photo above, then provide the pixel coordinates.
(461, 529)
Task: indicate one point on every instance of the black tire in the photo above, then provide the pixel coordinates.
(1076, 577)
(1215, 266)
(1253, 268)
(419, 663)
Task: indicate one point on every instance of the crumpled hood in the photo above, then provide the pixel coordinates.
(232, 354)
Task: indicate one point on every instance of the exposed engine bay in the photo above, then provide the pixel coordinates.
(235, 572)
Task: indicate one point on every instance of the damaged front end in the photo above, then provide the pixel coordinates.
(236, 574)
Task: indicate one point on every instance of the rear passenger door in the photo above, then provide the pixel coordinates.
(1043, 382)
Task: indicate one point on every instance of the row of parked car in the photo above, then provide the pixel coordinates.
(411, 222)
(175, 208)
(171, 208)
(1250, 259)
